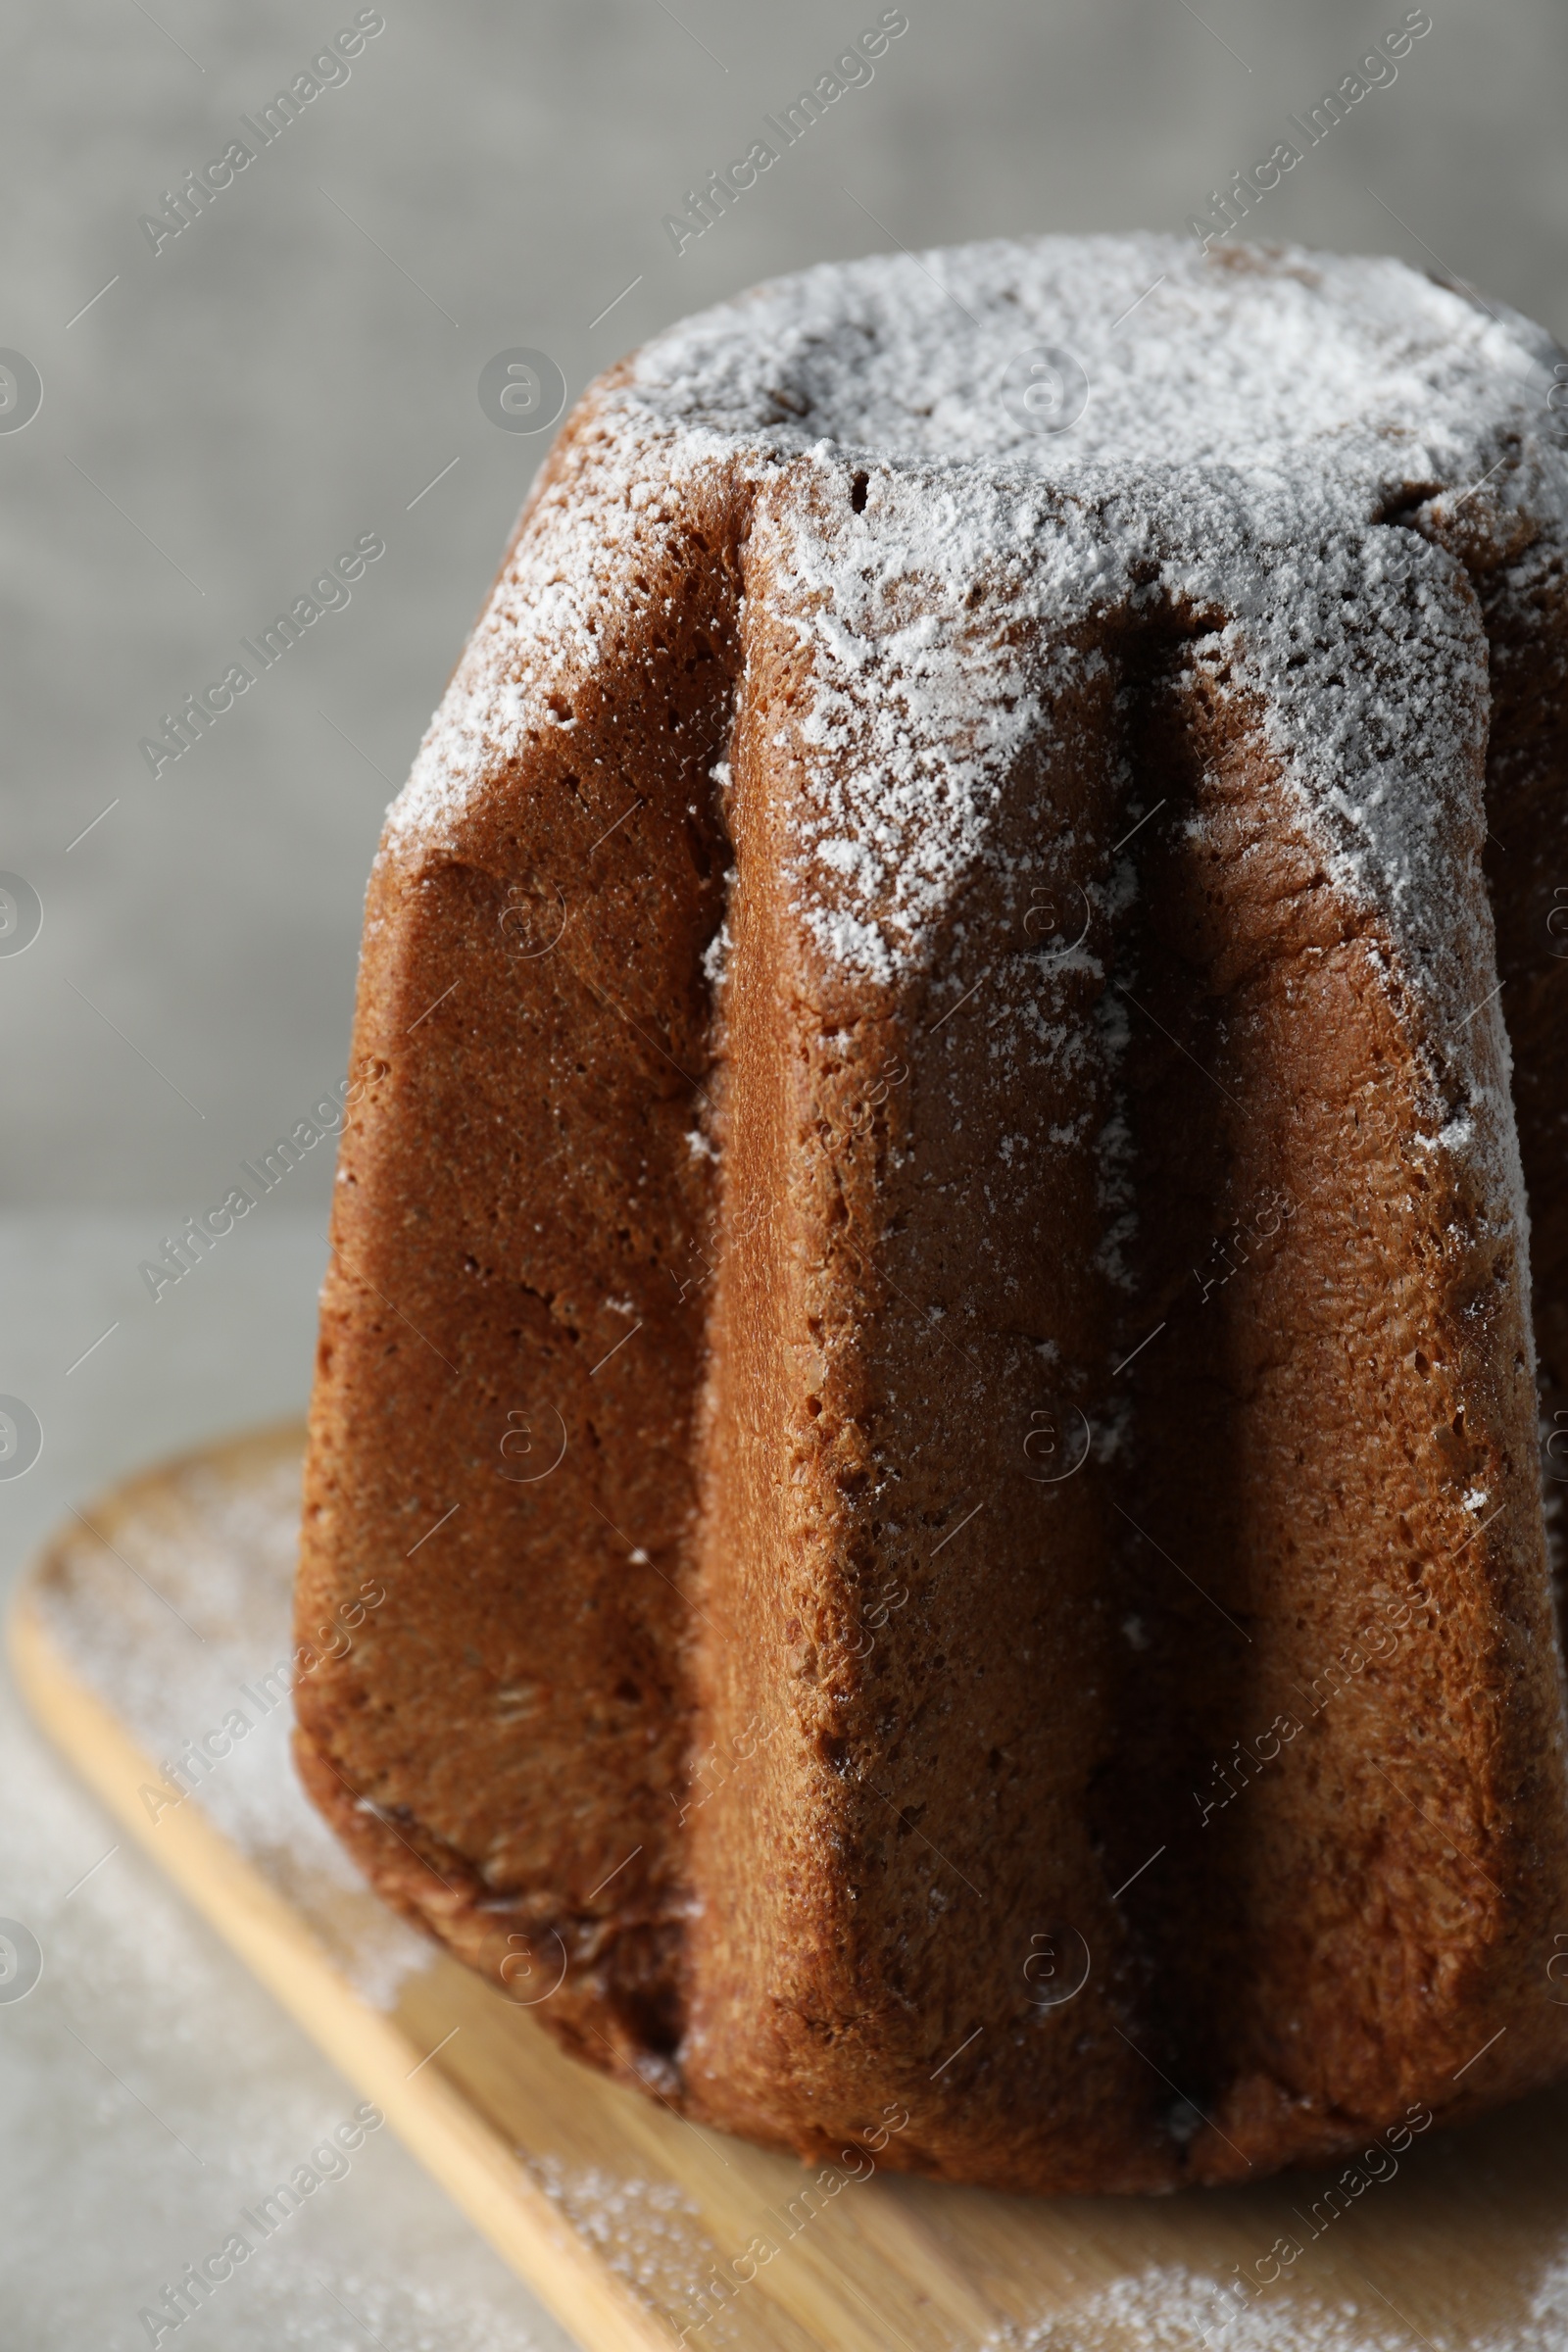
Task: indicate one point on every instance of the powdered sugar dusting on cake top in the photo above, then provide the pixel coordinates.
(1250, 419)
(1243, 359)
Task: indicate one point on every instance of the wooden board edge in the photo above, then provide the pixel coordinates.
(477, 2168)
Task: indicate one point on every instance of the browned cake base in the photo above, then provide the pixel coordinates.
(964, 1532)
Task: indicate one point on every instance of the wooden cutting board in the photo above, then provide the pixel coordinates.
(155, 1617)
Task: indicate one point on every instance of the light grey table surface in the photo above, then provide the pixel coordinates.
(297, 368)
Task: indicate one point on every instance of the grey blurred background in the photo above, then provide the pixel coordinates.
(279, 379)
(220, 418)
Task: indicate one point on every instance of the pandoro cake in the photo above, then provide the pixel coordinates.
(930, 1320)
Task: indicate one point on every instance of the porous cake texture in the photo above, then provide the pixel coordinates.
(930, 1320)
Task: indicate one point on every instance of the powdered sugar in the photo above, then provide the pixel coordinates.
(1249, 419)
(953, 575)
(179, 1618)
(1246, 360)
(649, 2232)
(1171, 2308)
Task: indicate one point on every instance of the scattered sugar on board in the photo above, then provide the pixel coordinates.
(180, 1624)
(649, 2232)
(1170, 2308)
